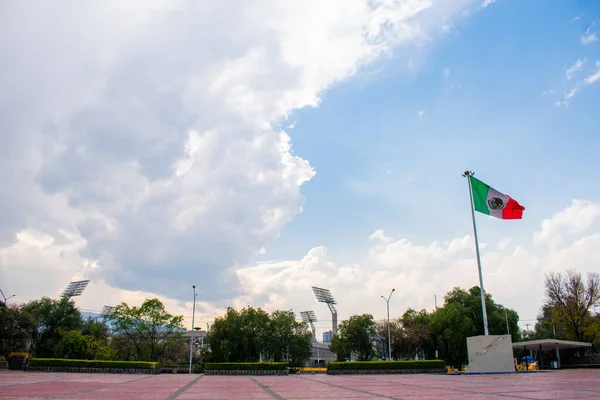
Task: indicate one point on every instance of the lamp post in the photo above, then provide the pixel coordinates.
(387, 301)
(192, 330)
(6, 299)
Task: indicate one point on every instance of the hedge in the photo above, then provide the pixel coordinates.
(62, 362)
(256, 366)
(373, 365)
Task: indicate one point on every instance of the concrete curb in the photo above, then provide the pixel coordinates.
(385, 371)
(95, 370)
(245, 372)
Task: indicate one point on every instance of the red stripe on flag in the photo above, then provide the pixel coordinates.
(513, 210)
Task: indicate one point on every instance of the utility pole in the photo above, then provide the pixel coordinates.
(506, 317)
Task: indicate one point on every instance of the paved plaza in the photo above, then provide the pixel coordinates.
(573, 384)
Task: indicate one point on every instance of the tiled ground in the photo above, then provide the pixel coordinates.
(574, 384)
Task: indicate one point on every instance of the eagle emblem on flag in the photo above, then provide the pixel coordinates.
(496, 203)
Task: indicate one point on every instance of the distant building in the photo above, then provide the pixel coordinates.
(321, 355)
(327, 337)
(199, 338)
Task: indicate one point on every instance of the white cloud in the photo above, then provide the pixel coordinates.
(446, 29)
(146, 141)
(573, 220)
(571, 93)
(420, 113)
(380, 237)
(446, 73)
(587, 81)
(574, 68)
(588, 38)
(567, 97)
(487, 3)
(592, 78)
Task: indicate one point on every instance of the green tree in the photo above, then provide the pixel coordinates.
(355, 336)
(461, 317)
(96, 329)
(592, 332)
(380, 340)
(252, 335)
(239, 336)
(89, 343)
(147, 332)
(451, 325)
(17, 329)
(545, 326)
(52, 317)
(471, 300)
(416, 338)
(288, 339)
(571, 301)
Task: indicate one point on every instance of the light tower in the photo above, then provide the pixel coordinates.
(75, 289)
(309, 317)
(324, 296)
(107, 311)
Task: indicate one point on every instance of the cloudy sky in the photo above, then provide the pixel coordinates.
(255, 149)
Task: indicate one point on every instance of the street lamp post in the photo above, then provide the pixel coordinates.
(192, 330)
(6, 299)
(387, 301)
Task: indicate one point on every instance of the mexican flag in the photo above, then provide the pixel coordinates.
(488, 200)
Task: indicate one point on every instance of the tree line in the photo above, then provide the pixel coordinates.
(425, 335)
(54, 328)
(252, 335)
(569, 313)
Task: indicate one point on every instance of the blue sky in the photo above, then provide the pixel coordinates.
(381, 165)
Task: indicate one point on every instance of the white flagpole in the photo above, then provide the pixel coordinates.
(468, 175)
(192, 331)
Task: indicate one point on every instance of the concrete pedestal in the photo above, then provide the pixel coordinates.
(490, 354)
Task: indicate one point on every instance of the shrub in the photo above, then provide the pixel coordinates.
(246, 366)
(198, 368)
(61, 362)
(365, 365)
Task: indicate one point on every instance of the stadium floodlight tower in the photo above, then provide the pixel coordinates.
(75, 289)
(107, 311)
(309, 317)
(324, 296)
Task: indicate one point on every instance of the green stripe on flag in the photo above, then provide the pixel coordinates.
(480, 193)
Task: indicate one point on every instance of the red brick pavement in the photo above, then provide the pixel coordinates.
(573, 384)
